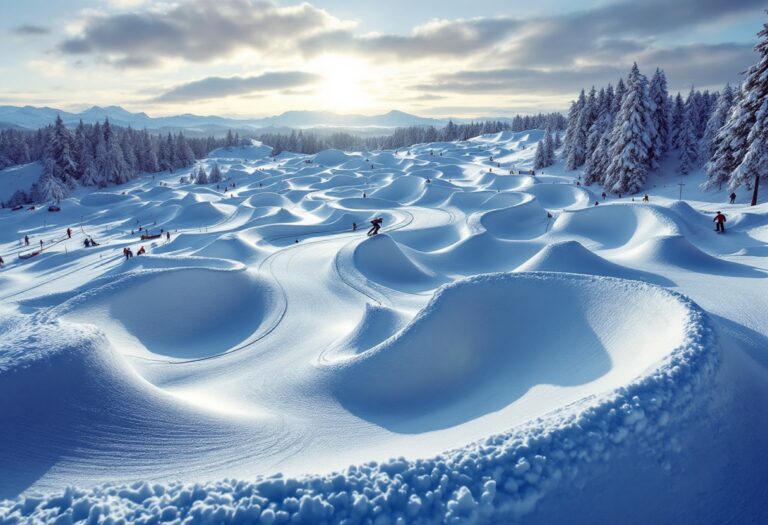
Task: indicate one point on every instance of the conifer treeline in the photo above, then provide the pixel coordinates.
(618, 135)
(97, 155)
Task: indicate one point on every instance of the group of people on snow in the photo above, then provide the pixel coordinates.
(128, 253)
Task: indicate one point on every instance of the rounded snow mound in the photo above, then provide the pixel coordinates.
(233, 246)
(383, 260)
(614, 226)
(155, 261)
(572, 257)
(403, 189)
(267, 199)
(99, 199)
(370, 203)
(170, 313)
(203, 214)
(526, 220)
(559, 196)
(508, 182)
(676, 250)
(479, 346)
(333, 157)
(377, 324)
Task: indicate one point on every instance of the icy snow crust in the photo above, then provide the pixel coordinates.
(478, 361)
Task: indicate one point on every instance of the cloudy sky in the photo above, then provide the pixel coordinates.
(430, 57)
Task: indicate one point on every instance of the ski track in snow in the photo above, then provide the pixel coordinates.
(477, 361)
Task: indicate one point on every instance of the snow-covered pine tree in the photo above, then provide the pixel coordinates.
(749, 124)
(109, 159)
(597, 164)
(89, 173)
(80, 144)
(706, 103)
(678, 115)
(693, 104)
(572, 123)
(202, 176)
(598, 141)
(549, 146)
(49, 188)
(540, 159)
(659, 96)
(149, 154)
(631, 138)
(215, 176)
(716, 121)
(578, 151)
(64, 165)
(687, 139)
(183, 155)
(618, 99)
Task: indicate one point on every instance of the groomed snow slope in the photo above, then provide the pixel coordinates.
(268, 364)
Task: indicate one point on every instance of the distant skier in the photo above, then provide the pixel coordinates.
(354, 226)
(87, 243)
(365, 196)
(167, 236)
(41, 245)
(376, 226)
(719, 221)
(604, 195)
(141, 251)
(2, 262)
(645, 198)
(733, 198)
(69, 233)
(596, 203)
(26, 240)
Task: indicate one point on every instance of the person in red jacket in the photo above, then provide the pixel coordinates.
(719, 221)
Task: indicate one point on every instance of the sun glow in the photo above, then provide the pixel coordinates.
(346, 83)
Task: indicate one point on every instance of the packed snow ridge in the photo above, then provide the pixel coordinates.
(503, 350)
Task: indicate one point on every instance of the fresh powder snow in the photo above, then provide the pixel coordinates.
(503, 349)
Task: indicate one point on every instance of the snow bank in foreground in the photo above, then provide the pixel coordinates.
(499, 478)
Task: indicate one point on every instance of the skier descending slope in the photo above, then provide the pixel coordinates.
(719, 221)
(376, 226)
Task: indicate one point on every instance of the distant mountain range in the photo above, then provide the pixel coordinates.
(30, 117)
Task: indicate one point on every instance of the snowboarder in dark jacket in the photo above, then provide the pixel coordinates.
(733, 198)
(719, 221)
(376, 226)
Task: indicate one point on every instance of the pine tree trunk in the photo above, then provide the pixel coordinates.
(754, 192)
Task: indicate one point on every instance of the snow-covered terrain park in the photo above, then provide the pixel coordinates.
(504, 350)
